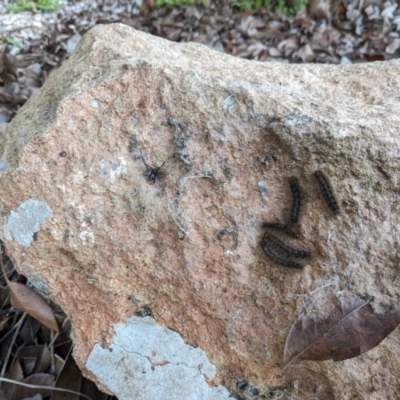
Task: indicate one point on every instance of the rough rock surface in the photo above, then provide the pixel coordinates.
(110, 242)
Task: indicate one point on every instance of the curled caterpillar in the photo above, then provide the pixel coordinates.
(290, 251)
(297, 197)
(279, 260)
(222, 232)
(327, 192)
(277, 226)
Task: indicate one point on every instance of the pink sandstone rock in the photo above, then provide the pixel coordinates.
(113, 243)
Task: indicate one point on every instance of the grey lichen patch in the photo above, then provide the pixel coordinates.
(147, 361)
(3, 165)
(40, 285)
(26, 221)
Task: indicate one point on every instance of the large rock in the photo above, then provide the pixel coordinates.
(168, 290)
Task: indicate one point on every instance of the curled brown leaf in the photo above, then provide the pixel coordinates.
(40, 381)
(26, 299)
(351, 330)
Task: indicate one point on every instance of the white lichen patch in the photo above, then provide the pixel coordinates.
(339, 133)
(78, 177)
(112, 170)
(26, 221)
(3, 165)
(86, 234)
(147, 362)
(229, 104)
(85, 219)
(61, 187)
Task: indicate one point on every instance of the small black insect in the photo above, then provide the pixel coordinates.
(144, 311)
(279, 260)
(243, 385)
(155, 172)
(285, 248)
(275, 393)
(327, 192)
(63, 154)
(254, 391)
(277, 226)
(297, 197)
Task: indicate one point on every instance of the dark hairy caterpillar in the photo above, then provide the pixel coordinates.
(277, 226)
(279, 260)
(297, 196)
(290, 251)
(327, 191)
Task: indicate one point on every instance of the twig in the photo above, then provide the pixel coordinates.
(28, 385)
(54, 337)
(18, 327)
(8, 333)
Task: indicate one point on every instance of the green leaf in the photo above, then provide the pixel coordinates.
(10, 40)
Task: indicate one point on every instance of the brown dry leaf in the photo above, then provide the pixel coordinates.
(325, 36)
(146, 7)
(10, 68)
(287, 46)
(392, 47)
(35, 359)
(37, 396)
(319, 9)
(306, 53)
(29, 330)
(304, 22)
(350, 331)
(7, 78)
(15, 374)
(36, 379)
(4, 346)
(89, 389)
(70, 378)
(274, 52)
(2, 51)
(26, 299)
(5, 320)
(3, 396)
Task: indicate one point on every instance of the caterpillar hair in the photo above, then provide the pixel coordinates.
(277, 226)
(279, 260)
(290, 251)
(327, 192)
(297, 197)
